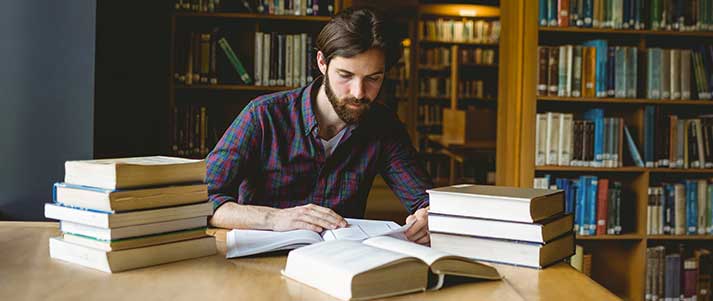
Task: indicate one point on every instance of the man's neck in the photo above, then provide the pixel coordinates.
(327, 119)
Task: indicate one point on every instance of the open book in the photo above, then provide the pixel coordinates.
(377, 267)
(249, 242)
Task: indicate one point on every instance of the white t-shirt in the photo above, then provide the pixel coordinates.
(331, 145)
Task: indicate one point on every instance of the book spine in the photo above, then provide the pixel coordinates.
(234, 61)
(258, 58)
(592, 206)
(602, 206)
(543, 59)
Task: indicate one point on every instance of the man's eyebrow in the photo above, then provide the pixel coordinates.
(350, 73)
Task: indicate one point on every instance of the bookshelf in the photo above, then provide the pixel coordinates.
(619, 261)
(456, 71)
(199, 112)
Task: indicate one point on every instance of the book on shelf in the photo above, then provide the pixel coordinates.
(134, 172)
(539, 232)
(103, 219)
(678, 273)
(595, 141)
(520, 253)
(266, 7)
(133, 242)
(249, 242)
(598, 69)
(111, 200)
(378, 267)
(121, 260)
(459, 30)
(496, 202)
(194, 131)
(684, 208)
(211, 58)
(595, 202)
(661, 15)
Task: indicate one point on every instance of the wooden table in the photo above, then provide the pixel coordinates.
(28, 273)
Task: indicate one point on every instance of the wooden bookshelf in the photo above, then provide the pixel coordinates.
(644, 33)
(625, 101)
(455, 71)
(223, 101)
(620, 260)
(246, 16)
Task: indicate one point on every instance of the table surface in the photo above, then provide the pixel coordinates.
(28, 273)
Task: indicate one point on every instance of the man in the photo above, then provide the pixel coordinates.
(303, 159)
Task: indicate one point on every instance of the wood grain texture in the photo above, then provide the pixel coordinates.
(28, 273)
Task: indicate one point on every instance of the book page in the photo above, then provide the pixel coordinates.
(361, 229)
(426, 254)
(249, 242)
(349, 257)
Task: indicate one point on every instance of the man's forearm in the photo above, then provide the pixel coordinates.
(235, 216)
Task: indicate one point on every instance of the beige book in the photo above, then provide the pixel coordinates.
(111, 200)
(377, 267)
(134, 172)
(136, 242)
(117, 261)
(496, 202)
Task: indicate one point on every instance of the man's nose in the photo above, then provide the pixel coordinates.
(357, 89)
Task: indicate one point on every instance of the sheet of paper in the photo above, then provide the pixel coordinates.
(361, 229)
(428, 255)
(248, 242)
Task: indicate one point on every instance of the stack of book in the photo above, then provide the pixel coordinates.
(678, 273)
(518, 226)
(121, 214)
(684, 208)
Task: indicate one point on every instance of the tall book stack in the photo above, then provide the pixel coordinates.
(518, 226)
(122, 214)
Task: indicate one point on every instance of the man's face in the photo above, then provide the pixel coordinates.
(352, 84)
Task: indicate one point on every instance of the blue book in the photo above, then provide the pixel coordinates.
(691, 207)
(588, 11)
(543, 12)
(633, 150)
(597, 117)
(579, 205)
(593, 187)
(552, 12)
(649, 115)
(669, 209)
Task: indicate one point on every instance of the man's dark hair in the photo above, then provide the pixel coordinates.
(352, 32)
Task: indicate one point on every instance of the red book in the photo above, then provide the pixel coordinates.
(563, 13)
(602, 198)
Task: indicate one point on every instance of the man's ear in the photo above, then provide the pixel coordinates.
(321, 62)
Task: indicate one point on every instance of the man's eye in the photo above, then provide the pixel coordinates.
(342, 75)
(374, 79)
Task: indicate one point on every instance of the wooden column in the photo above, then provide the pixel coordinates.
(516, 102)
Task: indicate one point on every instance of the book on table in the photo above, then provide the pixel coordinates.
(103, 219)
(130, 199)
(378, 267)
(133, 242)
(249, 242)
(134, 230)
(117, 261)
(123, 173)
(520, 253)
(540, 232)
(495, 202)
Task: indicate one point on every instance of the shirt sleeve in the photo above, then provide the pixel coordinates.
(233, 157)
(404, 174)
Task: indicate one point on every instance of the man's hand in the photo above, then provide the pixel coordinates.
(418, 232)
(308, 217)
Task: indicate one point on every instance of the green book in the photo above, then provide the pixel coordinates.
(234, 60)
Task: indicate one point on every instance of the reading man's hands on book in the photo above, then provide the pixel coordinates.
(418, 232)
(308, 217)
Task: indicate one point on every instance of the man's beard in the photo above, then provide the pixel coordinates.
(347, 114)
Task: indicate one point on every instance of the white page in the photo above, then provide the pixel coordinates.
(348, 257)
(248, 242)
(361, 229)
(428, 255)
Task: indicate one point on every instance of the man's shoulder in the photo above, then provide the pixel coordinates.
(275, 101)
